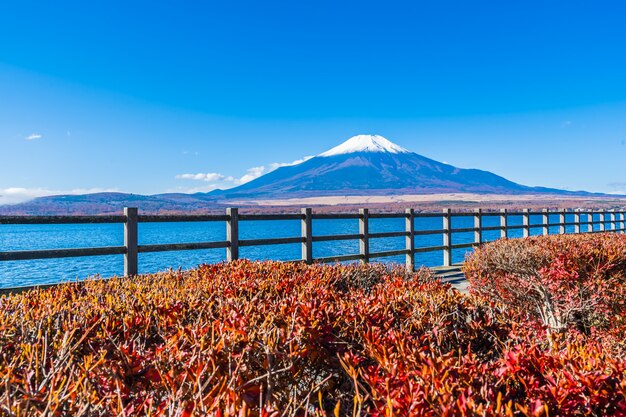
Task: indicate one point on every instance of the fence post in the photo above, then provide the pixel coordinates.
(232, 234)
(130, 241)
(410, 240)
(602, 220)
(525, 223)
(576, 221)
(364, 242)
(545, 222)
(447, 241)
(612, 220)
(503, 223)
(307, 235)
(590, 217)
(562, 221)
(478, 226)
(620, 223)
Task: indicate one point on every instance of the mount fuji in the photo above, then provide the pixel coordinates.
(373, 165)
(364, 165)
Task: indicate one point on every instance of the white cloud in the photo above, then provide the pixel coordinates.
(217, 180)
(192, 190)
(209, 177)
(33, 136)
(14, 195)
(277, 165)
(617, 188)
(221, 181)
(251, 174)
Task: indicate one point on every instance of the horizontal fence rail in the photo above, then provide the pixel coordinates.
(584, 221)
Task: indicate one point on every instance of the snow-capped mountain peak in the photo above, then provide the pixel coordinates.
(365, 143)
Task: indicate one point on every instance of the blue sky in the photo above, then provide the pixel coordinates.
(144, 96)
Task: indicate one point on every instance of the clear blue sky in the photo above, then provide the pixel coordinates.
(131, 95)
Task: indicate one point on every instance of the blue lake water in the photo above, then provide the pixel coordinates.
(32, 237)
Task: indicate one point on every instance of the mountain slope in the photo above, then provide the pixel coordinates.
(369, 164)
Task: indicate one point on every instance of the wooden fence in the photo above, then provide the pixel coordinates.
(606, 221)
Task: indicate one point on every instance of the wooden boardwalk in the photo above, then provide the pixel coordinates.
(453, 275)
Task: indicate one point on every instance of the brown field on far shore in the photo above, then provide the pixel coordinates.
(432, 202)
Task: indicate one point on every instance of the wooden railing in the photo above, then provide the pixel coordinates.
(607, 221)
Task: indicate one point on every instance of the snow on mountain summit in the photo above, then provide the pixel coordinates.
(365, 143)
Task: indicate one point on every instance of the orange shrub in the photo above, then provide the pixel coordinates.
(274, 339)
(561, 280)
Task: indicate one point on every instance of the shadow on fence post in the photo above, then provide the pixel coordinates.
(130, 242)
(307, 235)
(232, 234)
(602, 221)
(447, 241)
(503, 223)
(525, 223)
(364, 241)
(410, 240)
(478, 226)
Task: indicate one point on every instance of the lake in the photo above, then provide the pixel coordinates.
(46, 271)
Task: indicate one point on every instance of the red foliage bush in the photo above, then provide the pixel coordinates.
(274, 339)
(561, 280)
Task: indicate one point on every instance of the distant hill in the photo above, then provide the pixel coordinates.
(362, 165)
(113, 203)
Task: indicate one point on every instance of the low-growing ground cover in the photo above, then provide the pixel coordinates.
(272, 339)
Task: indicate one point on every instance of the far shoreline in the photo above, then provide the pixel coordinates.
(105, 204)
